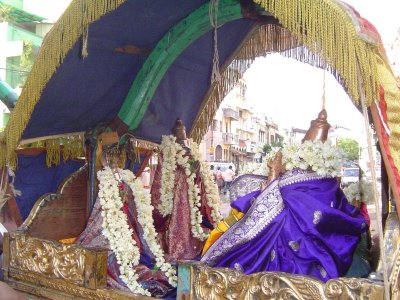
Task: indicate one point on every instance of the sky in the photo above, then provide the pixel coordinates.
(49, 9)
(291, 92)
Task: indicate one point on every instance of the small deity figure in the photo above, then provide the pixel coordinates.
(300, 223)
(148, 276)
(175, 229)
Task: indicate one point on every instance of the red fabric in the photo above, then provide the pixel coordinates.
(175, 230)
(366, 27)
(364, 213)
(385, 138)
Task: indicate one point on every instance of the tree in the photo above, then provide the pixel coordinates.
(350, 146)
(26, 61)
(277, 143)
(5, 13)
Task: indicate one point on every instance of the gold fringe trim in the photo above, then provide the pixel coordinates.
(62, 37)
(392, 99)
(67, 147)
(327, 30)
(289, 41)
(265, 39)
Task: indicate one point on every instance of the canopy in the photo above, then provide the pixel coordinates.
(141, 64)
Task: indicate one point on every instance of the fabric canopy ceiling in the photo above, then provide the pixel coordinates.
(87, 91)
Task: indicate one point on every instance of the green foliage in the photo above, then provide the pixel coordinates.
(5, 13)
(268, 147)
(350, 146)
(26, 60)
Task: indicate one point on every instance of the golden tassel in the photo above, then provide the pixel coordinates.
(62, 37)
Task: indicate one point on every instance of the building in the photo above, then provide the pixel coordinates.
(22, 29)
(237, 134)
(21, 35)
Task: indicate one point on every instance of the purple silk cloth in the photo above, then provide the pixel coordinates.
(243, 204)
(300, 224)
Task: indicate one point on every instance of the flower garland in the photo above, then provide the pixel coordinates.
(254, 168)
(144, 214)
(271, 154)
(352, 192)
(169, 148)
(118, 233)
(322, 158)
(173, 155)
(211, 189)
(360, 191)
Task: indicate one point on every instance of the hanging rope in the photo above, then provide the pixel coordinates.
(323, 92)
(213, 13)
(85, 42)
(85, 31)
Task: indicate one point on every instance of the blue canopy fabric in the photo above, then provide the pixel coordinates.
(34, 179)
(87, 91)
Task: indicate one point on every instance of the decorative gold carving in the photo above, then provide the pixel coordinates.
(317, 216)
(294, 245)
(47, 258)
(395, 276)
(224, 283)
(41, 286)
(272, 255)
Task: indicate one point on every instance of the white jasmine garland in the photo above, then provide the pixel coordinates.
(169, 148)
(352, 191)
(254, 168)
(322, 158)
(210, 187)
(117, 231)
(144, 214)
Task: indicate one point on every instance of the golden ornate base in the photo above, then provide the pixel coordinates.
(51, 270)
(203, 282)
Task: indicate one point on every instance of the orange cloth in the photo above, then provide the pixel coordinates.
(223, 226)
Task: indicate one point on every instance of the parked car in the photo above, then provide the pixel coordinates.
(223, 165)
(350, 175)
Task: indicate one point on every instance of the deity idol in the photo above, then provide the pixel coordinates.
(121, 221)
(301, 223)
(184, 196)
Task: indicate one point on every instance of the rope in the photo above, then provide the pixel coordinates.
(213, 14)
(373, 175)
(85, 36)
(323, 92)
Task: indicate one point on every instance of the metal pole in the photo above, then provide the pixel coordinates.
(375, 189)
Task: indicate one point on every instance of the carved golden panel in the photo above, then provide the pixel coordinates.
(47, 258)
(224, 283)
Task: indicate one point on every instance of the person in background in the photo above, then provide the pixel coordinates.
(213, 172)
(219, 179)
(228, 176)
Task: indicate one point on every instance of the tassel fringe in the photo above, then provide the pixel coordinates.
(56, 46)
